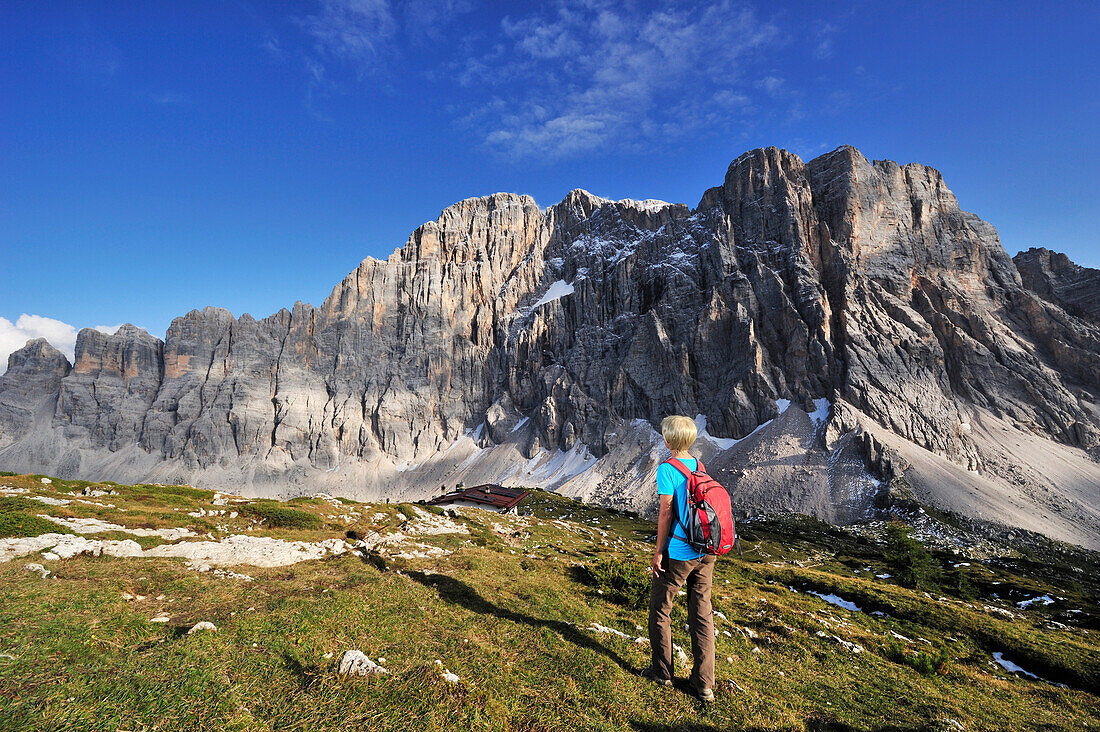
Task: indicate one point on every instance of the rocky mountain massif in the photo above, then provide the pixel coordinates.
(846, 334)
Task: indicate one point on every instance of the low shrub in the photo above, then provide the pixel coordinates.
(956, 583)
(625, 583)
(912, 563)
(926, 664)
(9, 504)
(276, 516)
(18, 524)
(305, 501)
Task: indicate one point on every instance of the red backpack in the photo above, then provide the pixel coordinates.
(710, 528)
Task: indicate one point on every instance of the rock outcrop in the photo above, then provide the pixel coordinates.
(29, 388)
(568, 333)
(1053, 277)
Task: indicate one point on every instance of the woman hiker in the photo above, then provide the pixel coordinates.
(675, 565)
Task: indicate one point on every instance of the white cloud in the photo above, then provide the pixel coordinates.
(364, 35)
(272, 45)
(355, 35)
(60, 335)
(587, 74)
(172, 99)
(426, 18)
(825, 41)
(562, 77)
(773, 85)
(353, 31)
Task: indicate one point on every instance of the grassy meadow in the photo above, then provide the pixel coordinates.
(537, 615)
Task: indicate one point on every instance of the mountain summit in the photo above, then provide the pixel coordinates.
(846, 334)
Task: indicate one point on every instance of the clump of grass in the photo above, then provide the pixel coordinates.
(276, 516)
(622, 582)
(406, 510)
(486, 539)
(481, 535)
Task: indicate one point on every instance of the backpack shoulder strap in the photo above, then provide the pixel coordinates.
(676, 463)
(699, 466)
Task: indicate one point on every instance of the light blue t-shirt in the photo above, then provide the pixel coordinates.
(671, 482)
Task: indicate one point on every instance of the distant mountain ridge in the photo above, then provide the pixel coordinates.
(504, 342)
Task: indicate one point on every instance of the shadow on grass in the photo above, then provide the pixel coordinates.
(813, 724)
(374, 559)
(306, 676)
(459, 593)
(175, 632)
(693, 727)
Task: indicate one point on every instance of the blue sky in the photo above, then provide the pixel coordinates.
(250, 154)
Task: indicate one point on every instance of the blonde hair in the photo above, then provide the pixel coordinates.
(679, 432)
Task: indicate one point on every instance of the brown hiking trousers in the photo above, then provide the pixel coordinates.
(696, 574)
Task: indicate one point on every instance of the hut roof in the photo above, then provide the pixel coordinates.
(492, 496)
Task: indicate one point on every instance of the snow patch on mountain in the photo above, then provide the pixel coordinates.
(558, 289)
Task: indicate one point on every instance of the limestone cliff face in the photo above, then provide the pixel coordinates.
(859, 282)
(107, 396)
(409, 347)
(933, 313)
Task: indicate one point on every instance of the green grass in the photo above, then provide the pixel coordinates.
(1054, 654)
(406, 510)
(172, 494)
(145, 542)
(17, 518)
(513, 620)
